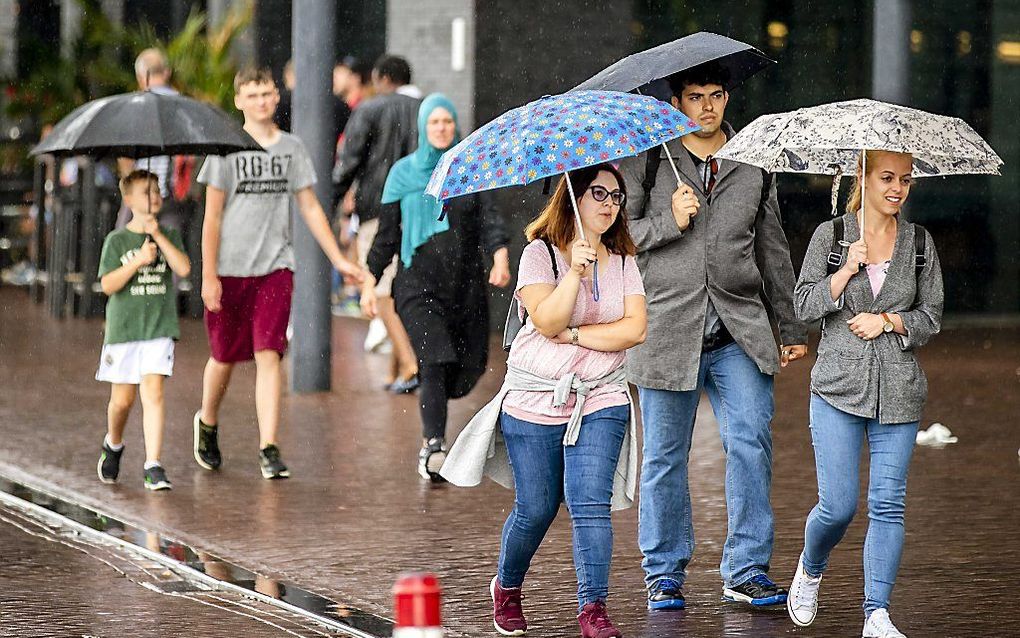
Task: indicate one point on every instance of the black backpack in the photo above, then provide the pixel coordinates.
(514, 322)
(835, 258)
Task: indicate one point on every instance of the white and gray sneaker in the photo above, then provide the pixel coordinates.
(431, 458)
(878, 625)
(802, 603)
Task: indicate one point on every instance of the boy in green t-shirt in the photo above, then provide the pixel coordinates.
(141, 323)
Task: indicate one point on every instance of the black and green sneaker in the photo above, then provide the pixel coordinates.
(108, 467)
(207, 449)
(155, 478)
(271, 464)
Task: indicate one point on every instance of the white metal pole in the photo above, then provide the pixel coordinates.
(573, 202)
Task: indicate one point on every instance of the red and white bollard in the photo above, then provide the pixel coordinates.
(416, 601)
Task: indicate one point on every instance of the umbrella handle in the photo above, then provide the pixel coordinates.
(679, 182)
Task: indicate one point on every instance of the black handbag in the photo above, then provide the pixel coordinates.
(514, 323)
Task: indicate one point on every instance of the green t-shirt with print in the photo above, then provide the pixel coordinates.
(145, 308)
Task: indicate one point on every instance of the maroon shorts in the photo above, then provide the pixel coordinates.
(253, 316)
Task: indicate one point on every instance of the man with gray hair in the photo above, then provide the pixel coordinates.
(152, 71)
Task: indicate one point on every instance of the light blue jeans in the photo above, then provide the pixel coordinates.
(545, 474)
(741, 397)
(837, 438)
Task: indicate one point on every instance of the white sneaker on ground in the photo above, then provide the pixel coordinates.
(802, 603)
(878, 625)
(376, 335)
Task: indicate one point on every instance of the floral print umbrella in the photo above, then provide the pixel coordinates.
(556, 134)
(828, 139)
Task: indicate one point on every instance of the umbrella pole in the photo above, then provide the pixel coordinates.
(573, 202)
(580, 231)
(864, 178)
(672, 165)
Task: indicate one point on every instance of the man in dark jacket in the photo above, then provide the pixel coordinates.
(380, 131)
(707, 279)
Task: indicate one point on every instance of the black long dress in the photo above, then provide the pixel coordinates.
(442, 298)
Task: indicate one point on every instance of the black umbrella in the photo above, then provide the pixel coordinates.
(740, 60)
(646, 71)
(144, 124)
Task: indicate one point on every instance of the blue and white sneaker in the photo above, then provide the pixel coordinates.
(759, 591)
(666, 593)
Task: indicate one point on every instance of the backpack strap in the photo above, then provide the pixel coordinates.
(835, 258)
(920, 238)
(652, 161)
(552, 259)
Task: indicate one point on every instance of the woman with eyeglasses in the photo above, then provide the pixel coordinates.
(562, 425)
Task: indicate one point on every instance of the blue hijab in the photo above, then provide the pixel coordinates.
(419, 213)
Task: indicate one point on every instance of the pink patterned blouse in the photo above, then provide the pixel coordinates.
(543, 357)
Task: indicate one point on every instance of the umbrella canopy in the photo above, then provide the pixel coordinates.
(740, 60)
(555, 134)
(144, 124)
(828, 139)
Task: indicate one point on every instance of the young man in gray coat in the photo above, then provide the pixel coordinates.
(712, 254)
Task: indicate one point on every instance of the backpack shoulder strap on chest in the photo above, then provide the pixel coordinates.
(552, 259)
(835, 257)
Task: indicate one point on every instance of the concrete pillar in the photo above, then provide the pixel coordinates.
(890, 65)
(114, 10)
(70, 25)
(217, 11)
(9, 36)
(314, 26)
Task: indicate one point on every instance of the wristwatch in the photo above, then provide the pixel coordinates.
(574, 334)
(888, 326)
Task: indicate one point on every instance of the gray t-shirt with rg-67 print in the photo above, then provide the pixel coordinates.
(255, 234)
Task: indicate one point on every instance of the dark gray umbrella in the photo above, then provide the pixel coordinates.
(646, 71)
(144, 124)
(741, 61)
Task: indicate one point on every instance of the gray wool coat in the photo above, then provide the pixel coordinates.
(735, 253)
(878, 378)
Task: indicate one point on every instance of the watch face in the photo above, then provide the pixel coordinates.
(888, 327)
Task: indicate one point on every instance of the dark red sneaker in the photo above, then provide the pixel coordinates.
(507, 614)
(595, 622)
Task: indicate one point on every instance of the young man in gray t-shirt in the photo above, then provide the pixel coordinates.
(248, 263)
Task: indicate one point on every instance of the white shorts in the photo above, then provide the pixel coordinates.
(129, 362)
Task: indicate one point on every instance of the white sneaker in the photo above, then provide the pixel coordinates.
(376, 335)
(802, 602)
(878, 625)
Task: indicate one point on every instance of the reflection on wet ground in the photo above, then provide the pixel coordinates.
(354, 514)
(331, 612)
(57, 584)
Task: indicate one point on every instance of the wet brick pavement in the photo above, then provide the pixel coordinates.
(354, 514)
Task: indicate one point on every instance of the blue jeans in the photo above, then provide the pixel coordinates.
(837, 438)
(546, 473)
(741, 397)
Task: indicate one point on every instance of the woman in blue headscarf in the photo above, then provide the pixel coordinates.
(439, 290)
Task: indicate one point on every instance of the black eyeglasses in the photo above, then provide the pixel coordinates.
(600, 193)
